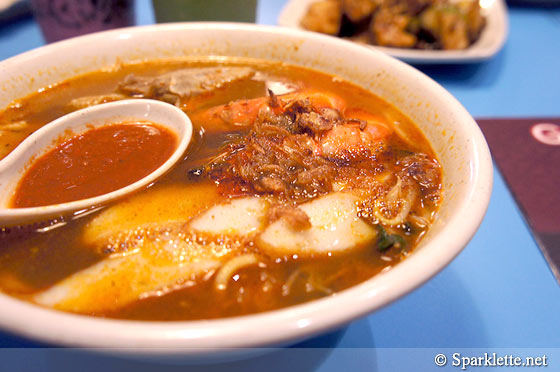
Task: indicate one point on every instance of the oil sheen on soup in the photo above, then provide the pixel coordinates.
(297, 185)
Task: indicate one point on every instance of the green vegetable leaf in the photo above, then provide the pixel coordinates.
(386, 241)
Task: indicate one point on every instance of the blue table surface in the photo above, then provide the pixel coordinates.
(499, 292)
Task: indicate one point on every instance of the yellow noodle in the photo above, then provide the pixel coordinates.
(287, 287)
(231, 267)
(407, 203)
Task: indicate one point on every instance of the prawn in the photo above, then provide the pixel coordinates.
(361, 130)
(245, 112)
(358, 131)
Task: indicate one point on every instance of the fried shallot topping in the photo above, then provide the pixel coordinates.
(297, 150)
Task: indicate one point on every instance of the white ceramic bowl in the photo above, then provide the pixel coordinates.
(454, 135)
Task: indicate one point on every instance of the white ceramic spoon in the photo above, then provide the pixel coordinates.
(13, 166)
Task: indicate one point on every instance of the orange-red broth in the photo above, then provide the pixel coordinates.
(94, 163)
(33, 258)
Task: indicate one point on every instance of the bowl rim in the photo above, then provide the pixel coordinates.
(278, 326)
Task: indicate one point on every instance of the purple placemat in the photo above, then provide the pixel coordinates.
(527, 152)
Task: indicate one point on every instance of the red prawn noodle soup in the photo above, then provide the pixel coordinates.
(298, 185)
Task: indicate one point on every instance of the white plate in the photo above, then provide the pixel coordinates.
(490, 42)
